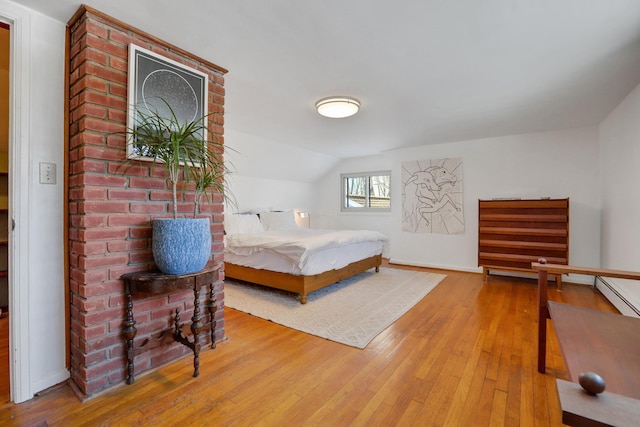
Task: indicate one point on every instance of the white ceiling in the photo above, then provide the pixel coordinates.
(425, 71)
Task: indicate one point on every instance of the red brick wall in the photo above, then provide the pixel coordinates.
(111, 205)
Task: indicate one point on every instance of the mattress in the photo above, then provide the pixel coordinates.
(304, 252)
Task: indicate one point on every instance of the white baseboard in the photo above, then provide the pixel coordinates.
(51, 380)
(614, 290)
(570, 278)
(438, 266)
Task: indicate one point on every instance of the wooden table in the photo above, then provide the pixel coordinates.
(157, 283)
(597, 341)
(601, 342)
(605, 409)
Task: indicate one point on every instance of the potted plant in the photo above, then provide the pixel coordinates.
(181, 245)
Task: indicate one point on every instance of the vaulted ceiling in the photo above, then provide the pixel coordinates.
(425, 71)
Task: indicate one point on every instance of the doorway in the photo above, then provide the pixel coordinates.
(4, 212)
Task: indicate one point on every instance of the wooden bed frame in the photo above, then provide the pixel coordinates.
(302, 285)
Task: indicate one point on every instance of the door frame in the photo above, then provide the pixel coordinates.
(19, 154)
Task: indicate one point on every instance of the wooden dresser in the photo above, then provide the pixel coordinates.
(514, 233)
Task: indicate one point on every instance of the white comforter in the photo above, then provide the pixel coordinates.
(297, 245)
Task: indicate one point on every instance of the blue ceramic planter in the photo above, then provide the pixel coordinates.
(182, 245)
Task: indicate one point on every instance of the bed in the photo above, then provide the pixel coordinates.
(272, 250)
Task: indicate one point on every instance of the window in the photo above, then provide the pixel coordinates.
(367, 191)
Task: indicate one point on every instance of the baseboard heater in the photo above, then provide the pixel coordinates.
(616, 298)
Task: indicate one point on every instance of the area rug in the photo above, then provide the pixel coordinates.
(350, 312)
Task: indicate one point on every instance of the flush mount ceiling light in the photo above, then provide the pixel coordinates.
(338, 107)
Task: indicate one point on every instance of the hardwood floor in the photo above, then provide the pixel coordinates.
(465, 355)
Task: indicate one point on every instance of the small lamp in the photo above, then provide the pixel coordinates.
(305, 219)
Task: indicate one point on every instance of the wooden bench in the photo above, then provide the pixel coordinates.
(592, 340)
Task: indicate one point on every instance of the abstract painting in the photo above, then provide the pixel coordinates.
(432, 197)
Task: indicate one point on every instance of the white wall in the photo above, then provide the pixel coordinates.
(555, 164)
(270, 175)
(37, 269)
(263, 194)
(620, 189)
(619, 164)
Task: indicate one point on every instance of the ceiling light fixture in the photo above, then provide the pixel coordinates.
(338, 107)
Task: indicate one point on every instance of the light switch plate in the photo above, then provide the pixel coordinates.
(47, 173)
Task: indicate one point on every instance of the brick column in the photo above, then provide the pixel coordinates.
(112, 204)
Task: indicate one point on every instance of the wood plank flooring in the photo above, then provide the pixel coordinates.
(465, 355)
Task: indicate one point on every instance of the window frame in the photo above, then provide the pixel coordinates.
(367, 175)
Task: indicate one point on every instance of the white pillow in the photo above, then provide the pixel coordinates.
(239, 223)
(279, 220)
